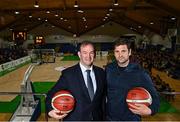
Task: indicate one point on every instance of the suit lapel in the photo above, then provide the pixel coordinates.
(82, 83)
(98, 79)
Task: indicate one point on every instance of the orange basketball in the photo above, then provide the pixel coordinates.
(138, 95)
(63, 101)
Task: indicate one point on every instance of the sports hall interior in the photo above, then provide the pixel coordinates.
(40, 38)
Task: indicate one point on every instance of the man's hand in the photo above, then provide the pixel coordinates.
(140, 109)
(57, 114)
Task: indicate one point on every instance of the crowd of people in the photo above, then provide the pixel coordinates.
(160, 59)
(162, 86)
(10, 54)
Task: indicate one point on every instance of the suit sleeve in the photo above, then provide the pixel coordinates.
(104, 98)
(154, 94)
(60, 85)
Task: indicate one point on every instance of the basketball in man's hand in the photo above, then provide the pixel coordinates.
(63, 101)
(138, 95)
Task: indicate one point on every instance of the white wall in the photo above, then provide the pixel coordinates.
(157, 39)
(105, 33)
(111, 28)
(46, 29)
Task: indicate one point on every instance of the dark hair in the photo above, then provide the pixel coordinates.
(84, 43)
(121, 41)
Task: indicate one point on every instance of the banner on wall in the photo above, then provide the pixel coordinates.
(11, 65)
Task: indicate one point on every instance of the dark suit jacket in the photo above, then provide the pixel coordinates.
(73, 81)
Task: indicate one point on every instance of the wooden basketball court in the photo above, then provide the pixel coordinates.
(46, 72)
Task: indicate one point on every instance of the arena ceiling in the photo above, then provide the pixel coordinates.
(138, 15)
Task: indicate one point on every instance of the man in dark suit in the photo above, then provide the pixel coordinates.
(89, 97)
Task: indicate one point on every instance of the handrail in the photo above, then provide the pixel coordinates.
(28, 93)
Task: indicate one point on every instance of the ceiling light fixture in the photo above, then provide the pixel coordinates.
(47, 11)
(84, 19)
(110, 9)
(80, 11)
(75, 4)
(56, 15)
(30, 15)
(139, 26)
(74, 35)
(36, 5)
(116, 3)
(173, 18)
(151, 23)
(16, 12)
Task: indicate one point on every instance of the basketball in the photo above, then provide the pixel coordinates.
(138, 95)
(63, 101)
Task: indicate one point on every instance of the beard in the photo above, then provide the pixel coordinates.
(124, 62)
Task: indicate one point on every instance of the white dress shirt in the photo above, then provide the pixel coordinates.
(84, 72)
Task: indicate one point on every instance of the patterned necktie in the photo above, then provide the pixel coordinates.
(90, 85)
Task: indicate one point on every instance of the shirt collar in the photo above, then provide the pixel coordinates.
(83, 68)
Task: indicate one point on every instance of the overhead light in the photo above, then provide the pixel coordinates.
(116, 3)
(39, 18)
(110, 9)
(108, 14)
(30, 15)
(16, 12)
(75, 4)
(74, 35)
(139, 26)
(151, 23)
(69, 27)
(173, 18)
(86, 26)
(36, 5)
(56, 15)
(84, 19)
(80, 11)
(47, 11)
